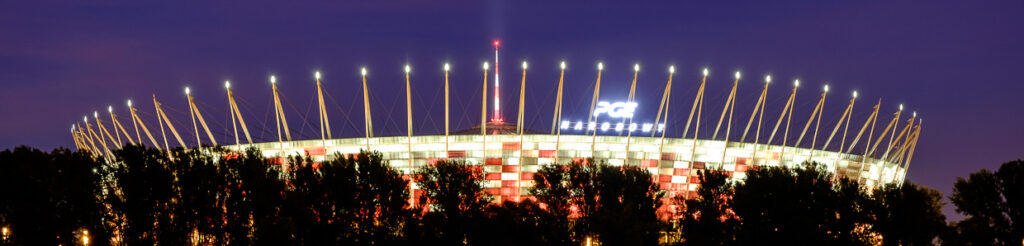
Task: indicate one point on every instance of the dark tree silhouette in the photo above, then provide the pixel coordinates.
(907, 214)
(708, 218)
(800, 206)
(141, 199)
(454, 197)
(50, 198)
(994, 205)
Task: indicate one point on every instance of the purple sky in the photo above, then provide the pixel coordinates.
(951, 61)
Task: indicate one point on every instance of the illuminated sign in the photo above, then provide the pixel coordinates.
(605, 126)
(616, 109)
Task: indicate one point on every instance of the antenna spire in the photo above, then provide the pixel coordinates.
(496, 117)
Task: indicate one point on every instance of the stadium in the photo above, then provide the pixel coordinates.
(875, 150)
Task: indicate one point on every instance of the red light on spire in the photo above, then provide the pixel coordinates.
(497, 43)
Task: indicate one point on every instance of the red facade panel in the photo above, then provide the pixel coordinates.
(510, 146)
(546, 153)
(457, 154)
(509, 168)
(493, 176)
(493, 161)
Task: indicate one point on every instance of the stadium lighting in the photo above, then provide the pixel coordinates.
(524, 65)
(737, 74)
(636, 67)
(408, 69)
(826, 88)
(187, 91)
(563, 65)
(110, 109)
(273, 79)
(600, 66)
(317, 74)
(705, 72)
(227, 84)
(447, 67)
(854, 94)
(363, 71)
(796, 83)
(671, 69)
(767, 79)
(486, 66)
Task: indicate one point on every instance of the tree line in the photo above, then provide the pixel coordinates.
(212, 196)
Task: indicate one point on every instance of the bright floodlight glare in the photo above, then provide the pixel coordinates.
(767, 79)
(273, 79)
(129, 102)
(737, 74)
(486, 66)
(446, 67)
(636, 67)
(110, 109)
(796, 83)
(915, 114)
(826, 88)
(85, 118)
(363, 71)
(95, 114)
(187, 91)
(408, 68)
(901, 106)
(524, 65)
(705, 72)
(227, 84)
(854, 94)
(563, 65)
(671, 69)
(317, 75)
(600, 66)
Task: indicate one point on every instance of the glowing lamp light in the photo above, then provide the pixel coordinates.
(737, 74)
(600, 66)
(826, 88)
(363, 71)
(705, 72)
(671, 69)
(901, 107)
(408, 69)
(95, 114)
(767, 79)
(447, 67)
(273, 79)
(85, 118)
(227, 84)
(796, 83)
(915, 114)
(187, 90)
(854, 94)
(129, 102)
(496, 43)
(563, 65)
(317, 74)
(110, 109)
(486, 66)
(524, 65)
(636, 67)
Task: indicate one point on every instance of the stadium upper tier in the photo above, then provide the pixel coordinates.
(510, 153)
(511, 159)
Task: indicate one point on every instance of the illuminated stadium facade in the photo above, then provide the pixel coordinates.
(874, 154)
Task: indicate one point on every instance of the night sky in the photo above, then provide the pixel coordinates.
(956, 63)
